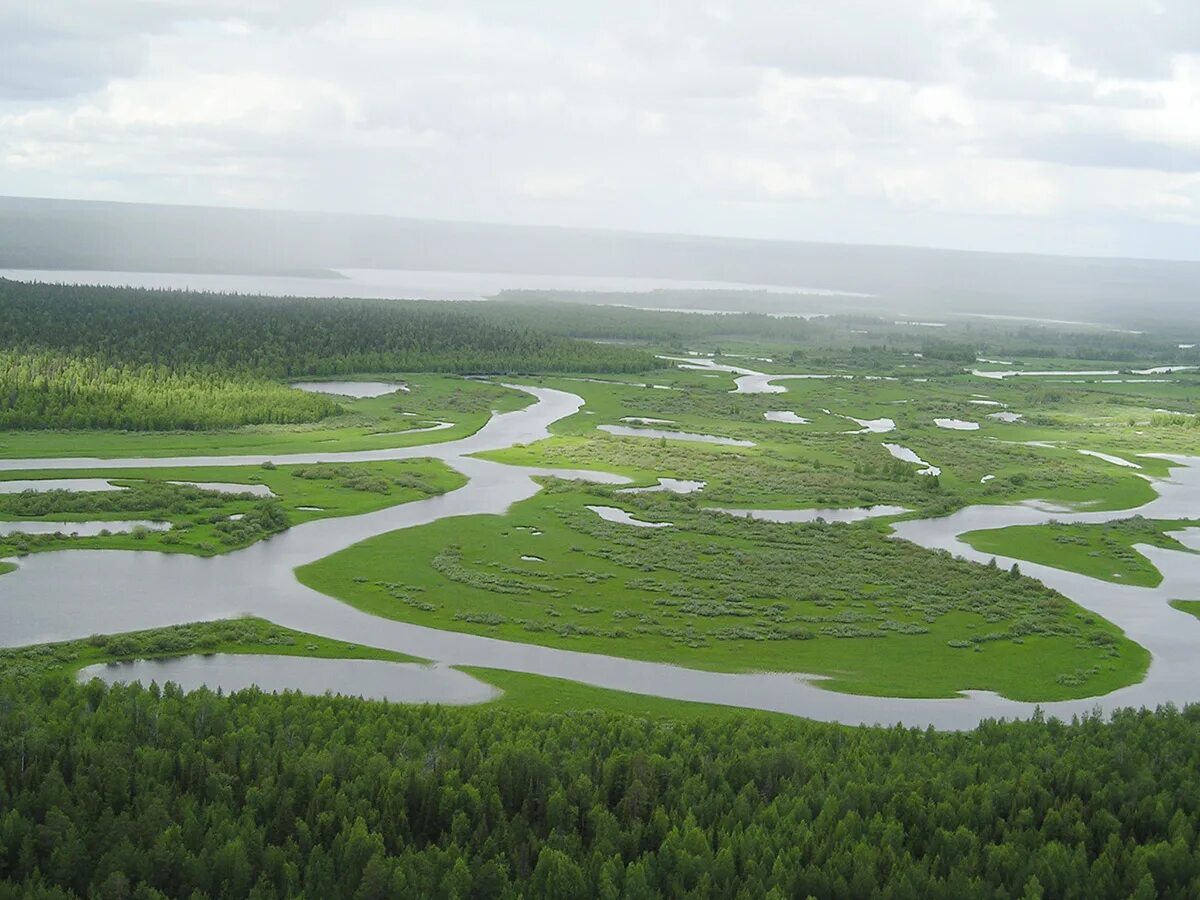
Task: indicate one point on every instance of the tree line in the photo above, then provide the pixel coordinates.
(46, 389)
(149, 793)
(75, 357)
(282, 337)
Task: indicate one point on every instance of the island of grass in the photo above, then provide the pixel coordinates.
(255, 636)
(207, 522)
(1104, 551)
(248, 635)
(1191, 607)
(6, 567)
(875, 615)
(542, 694)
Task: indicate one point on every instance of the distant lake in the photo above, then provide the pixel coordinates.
(412, 284)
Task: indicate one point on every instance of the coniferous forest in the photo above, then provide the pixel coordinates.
(132, 792)
(117, 358)
(56, 390)
(284, 337)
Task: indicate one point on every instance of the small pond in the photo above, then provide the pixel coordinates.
(369, 678)
(356, 389)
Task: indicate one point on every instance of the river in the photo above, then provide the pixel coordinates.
(71, 594)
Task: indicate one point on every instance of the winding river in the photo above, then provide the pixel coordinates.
(71, 594)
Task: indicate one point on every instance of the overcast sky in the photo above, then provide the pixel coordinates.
(1065, 126)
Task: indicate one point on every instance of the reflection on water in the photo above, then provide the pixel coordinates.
(956, 424)
(904, 454)
(812, 515)
(670, 485)
(356, 389)
(81, 529)
(368, 678)
(411, 284)
(72, 594)
(619, 516)
(96, 485)
(627, 431)
(787, 417)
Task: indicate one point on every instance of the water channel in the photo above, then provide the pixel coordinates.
(71, 594)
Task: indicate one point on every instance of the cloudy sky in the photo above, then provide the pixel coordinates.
(1065, 126)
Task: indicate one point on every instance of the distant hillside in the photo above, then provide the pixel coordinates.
(65, 234)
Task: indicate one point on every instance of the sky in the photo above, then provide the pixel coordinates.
(1059, 126)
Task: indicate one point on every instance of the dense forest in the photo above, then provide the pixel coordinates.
(281, 337)
(96, 357)
(148, 793)
(55, 390)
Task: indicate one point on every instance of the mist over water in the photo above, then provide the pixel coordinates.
(316, 254)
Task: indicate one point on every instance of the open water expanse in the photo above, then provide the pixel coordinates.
(75, 593)
(412, 284)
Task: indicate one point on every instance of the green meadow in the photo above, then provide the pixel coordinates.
(206, 523)
(871, 614)
(1104, 551)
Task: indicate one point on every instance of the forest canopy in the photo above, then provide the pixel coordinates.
(283, 337)
(118, 358)
(56, 390)
(149, 793)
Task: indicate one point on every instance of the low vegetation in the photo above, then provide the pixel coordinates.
(826, 463)
(876, 615)
(206, 522)
(27, 665)
(1105, 551)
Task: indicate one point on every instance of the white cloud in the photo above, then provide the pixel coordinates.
(903, 122)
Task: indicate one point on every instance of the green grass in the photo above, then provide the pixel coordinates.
(245, 635)
(6, 567)
(368, 424)
(536, 693)
(1103, 551)
(257, 636)
(1191, 607)
(820, 464)
(877, 616)
(383, 484)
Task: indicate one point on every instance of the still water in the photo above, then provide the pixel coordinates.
(413, 284)
(75, 593)
(367, 678)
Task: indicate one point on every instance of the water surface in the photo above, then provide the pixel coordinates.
(355, 389)
(812, 515)
(41, 485)
(367, 678)
(904, 454)
(615, 514)
(629, 431)
(71, 594)
(80, 529)
(671, 485)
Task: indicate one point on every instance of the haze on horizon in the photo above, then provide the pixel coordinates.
(1067, 128)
